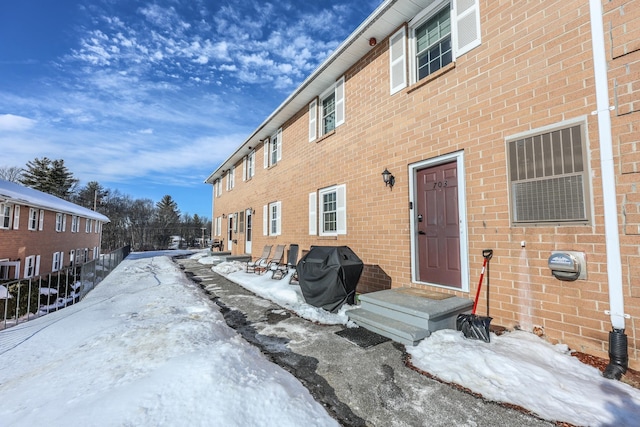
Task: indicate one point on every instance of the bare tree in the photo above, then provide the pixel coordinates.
(11, 173)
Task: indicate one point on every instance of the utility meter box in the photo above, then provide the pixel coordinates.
(568, 265)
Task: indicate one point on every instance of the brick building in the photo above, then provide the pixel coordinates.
(41, 233)
(483, 113)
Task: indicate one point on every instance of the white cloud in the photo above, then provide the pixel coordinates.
(12, 123)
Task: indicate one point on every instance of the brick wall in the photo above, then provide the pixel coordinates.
(533, 69)
(21, 243)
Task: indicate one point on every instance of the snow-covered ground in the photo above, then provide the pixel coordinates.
(146, 347)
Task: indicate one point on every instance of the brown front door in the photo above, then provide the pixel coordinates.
(438, 227)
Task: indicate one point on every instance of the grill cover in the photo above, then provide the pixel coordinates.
(328, 276)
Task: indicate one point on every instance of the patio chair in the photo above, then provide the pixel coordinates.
(280, 270)
(217, 243)
(275, 260)
(293, 280)
(261, 261)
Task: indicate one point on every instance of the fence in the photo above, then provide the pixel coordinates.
(27, 299)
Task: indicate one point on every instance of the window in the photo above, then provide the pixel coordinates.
(16, 217)
(218, 187)
(272, 219)
(548, 176)
(328, 110)
(443, 31)
(330, 218)
(61, 222)
(273, 149)
(75, 224)
(88, 226)
(231, 174)
(5, 215)
(33, 219)
(41, 222)
(433, 44)
(58, 259)
(31, 266)
(251, 164)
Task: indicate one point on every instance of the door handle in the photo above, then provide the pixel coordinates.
(421, 232)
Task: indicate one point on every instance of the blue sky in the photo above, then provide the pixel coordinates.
(150, 97)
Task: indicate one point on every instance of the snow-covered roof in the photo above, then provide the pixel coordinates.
(18, 194)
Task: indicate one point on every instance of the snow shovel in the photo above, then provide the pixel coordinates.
(474, 326)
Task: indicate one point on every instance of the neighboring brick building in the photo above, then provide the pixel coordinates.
(482, 111)
(41, 233)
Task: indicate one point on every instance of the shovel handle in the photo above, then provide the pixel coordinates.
(487, 253)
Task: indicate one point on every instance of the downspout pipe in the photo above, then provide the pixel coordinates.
(618, 350)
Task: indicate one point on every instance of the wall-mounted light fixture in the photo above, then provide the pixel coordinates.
(373, 41)
(389, 180)
(224, 216)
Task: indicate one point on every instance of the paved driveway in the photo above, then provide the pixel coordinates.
(358, 386)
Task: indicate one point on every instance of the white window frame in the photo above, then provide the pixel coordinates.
(59, 222)
(88, 226)
(31, 266)
(6, 214)
(272, 149)
(16, 217)
(316, 112)
(41, 220)
(465, 36)
(272, 219)
(75, 223)
(251, 164)
(317, 213)
(231, 177)
(33, 219)
(58, 261)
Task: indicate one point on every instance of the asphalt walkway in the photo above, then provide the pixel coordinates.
(358, 386)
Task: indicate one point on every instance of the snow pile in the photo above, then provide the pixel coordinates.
(522, 369)
(282, 293)
(146, 347)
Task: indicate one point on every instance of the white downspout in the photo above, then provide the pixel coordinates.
(612, 238)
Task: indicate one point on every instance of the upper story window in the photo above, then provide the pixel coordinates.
(33, 219)
(443, 31)
(548, 176)
(218, 187)
(249, 166)
(5, 215)
(231, 177)
(332, 212)
(327, 112)
(88, 226)
(75, 224)
(273, 149)
(433, 44)
(61, 222)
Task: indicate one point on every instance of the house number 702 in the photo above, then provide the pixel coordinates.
(439, 184)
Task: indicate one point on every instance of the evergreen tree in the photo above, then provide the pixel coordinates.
(167, 220)
(91, 196)
(49, 176)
